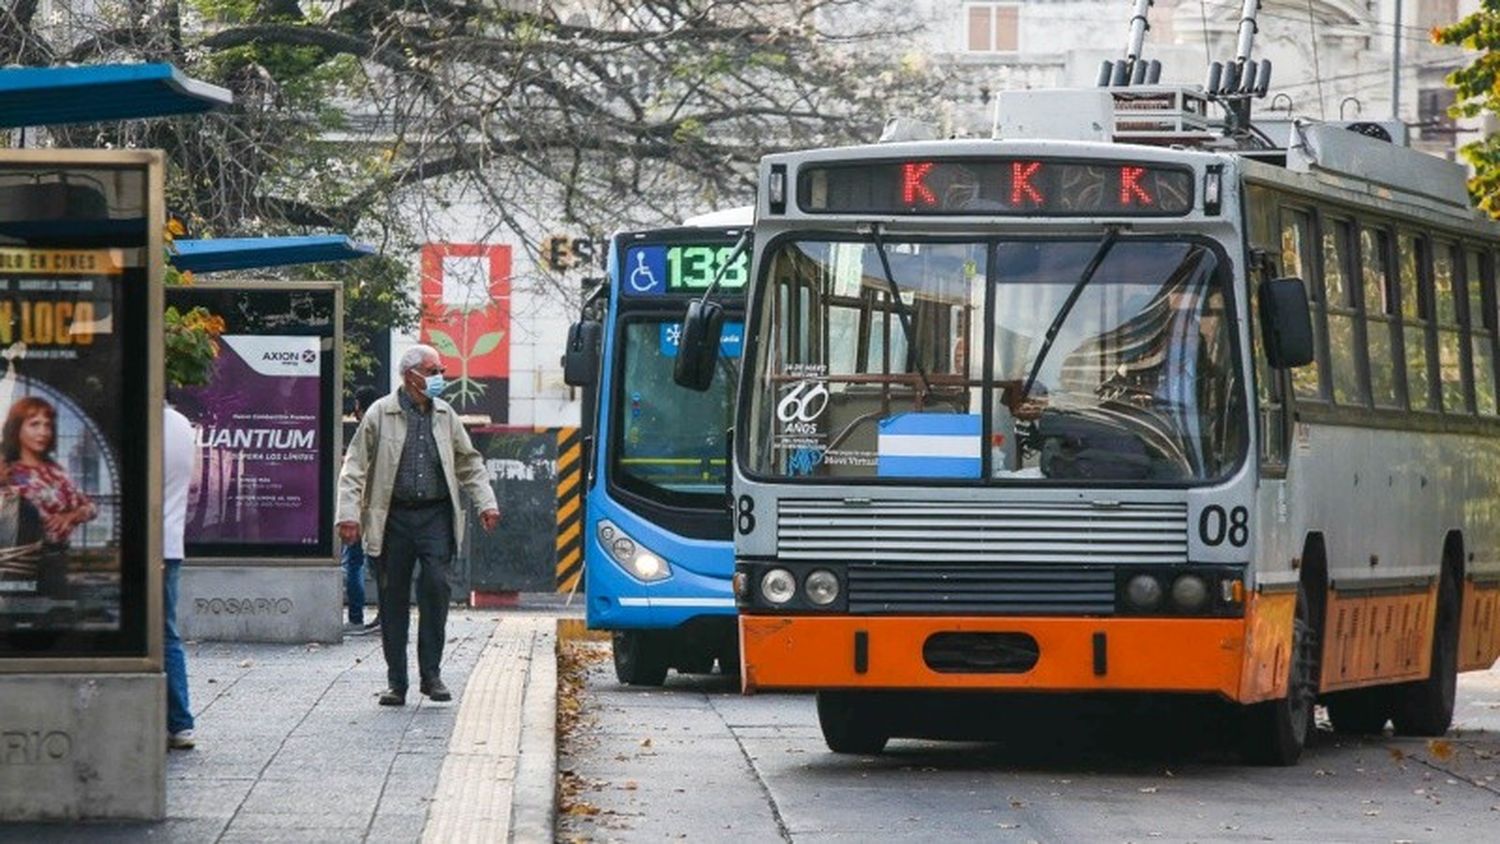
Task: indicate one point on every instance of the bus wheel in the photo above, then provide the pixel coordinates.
(640, 660)
(1278, 729)
(852, 722)
(1425, 708)
(1360, 712)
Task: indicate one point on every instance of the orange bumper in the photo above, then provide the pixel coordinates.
(1166, 655)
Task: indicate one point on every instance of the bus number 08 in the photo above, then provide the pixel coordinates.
(1215, 526)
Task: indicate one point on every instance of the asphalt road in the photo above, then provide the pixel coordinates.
(698, 761)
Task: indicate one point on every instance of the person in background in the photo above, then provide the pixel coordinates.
(178, 446)
(398, 489)
(354, 552)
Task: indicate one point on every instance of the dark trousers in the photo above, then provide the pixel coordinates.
(414, 535)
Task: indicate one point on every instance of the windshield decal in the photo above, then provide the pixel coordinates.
(929, 445)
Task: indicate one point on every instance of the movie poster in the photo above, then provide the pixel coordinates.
(62, 431)
(260, 432)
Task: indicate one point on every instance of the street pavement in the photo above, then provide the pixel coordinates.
(292, 745)
(697, 761)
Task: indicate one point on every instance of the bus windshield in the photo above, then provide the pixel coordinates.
(1141, 381)
(669, 441)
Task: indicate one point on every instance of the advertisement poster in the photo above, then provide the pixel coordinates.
(259, 428)
(266, 422)
(466, 317)
(62, 403)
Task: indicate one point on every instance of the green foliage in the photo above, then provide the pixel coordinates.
(192, 344)
(1478, 88)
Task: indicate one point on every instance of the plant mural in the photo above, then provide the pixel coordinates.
(466, 317)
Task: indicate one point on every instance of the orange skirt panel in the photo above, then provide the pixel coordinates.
(1141, 654)
(1374, 639)
(1479, 637)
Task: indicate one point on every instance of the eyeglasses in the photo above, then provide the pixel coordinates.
(435, 370)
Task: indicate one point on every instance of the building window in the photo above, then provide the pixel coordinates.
(993, 27)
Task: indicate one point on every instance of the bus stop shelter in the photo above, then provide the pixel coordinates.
(52, 96)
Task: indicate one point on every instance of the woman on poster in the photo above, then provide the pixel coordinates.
(26, 443)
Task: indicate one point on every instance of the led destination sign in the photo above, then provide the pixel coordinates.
(660, 269)
(994, 186)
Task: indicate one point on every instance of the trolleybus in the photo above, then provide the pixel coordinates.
(658, 544)
(1056, 413)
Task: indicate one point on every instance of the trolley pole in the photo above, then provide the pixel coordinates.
(1396, 66)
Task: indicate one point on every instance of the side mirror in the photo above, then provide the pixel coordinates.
(1285, 323)
(581, 359)
(698, 348)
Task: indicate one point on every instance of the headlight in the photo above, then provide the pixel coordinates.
(630, 554)
(822, 587)
(778, 586)
(1189, 592)
(1144, 592)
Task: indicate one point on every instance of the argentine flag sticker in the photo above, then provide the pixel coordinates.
(929, 445)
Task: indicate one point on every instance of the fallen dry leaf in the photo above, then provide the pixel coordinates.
(1440, 749)
(1150, 789)
(645, 742)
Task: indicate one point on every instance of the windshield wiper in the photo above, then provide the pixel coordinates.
(903, 313)
(1100, 253)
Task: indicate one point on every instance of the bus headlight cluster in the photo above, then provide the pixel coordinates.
(779, 587)
(630, 554)
(1202, 590)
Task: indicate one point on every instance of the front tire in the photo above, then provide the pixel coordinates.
(1278, 729)
(852, 722)
(640, 659)
(1425, 708)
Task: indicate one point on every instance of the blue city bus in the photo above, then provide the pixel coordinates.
(658, 543)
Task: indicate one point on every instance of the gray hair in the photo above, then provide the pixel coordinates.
(414, 356)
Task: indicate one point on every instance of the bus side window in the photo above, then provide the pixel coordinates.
(1481, 319)
(1416, 317)
(1346, 332)
(1269, 393)
(1451, 357)
(1381, 326)
(1297, 261)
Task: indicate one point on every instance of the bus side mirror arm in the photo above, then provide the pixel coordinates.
(1285, 323)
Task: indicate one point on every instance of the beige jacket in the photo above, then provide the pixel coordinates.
(370, 464)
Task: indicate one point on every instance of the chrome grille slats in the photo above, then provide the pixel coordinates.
(935, 532)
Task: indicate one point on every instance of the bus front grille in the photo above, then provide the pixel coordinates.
(1007, 589)
(963, 533)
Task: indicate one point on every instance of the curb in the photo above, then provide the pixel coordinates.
(533, 814)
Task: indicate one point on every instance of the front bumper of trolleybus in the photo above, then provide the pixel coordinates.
(1237, 658)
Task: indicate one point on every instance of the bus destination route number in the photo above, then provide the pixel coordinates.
(660, 269)
(993, 186)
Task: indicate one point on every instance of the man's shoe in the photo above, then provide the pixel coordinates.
(372, 625)
(391, 697)
(181, 740)
(435, 690)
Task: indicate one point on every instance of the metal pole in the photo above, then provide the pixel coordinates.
(1138, 27)
(1396, 67)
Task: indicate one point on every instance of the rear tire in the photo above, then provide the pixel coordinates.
(852, 722)
(1425, 708)
(1360, 712)
(640, 659)
(1278, 729)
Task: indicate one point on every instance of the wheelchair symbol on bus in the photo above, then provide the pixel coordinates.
(641, 279)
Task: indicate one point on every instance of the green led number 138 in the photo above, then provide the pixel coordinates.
(694, 267)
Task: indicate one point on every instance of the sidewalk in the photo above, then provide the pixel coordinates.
(293, 747)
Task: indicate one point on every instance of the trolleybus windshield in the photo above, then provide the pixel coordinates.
(1141, 382)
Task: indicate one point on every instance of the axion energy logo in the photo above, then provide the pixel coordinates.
(258, 438)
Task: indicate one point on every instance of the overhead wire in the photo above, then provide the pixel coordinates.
(1317, 66)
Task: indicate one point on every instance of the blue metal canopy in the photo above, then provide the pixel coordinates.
(248, 253)
(47, 96)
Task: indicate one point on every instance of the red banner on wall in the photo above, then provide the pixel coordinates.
(466, 317)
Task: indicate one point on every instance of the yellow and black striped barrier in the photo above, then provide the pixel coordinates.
(570, 492)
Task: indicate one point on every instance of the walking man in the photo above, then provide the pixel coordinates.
(398, 493)
(179, 444)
